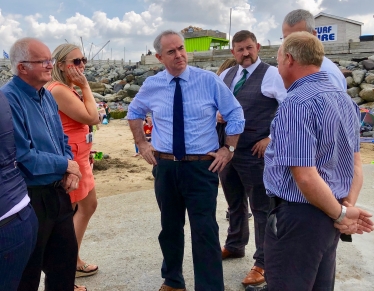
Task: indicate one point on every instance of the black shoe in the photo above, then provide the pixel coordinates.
(256, 288)
(250, 215)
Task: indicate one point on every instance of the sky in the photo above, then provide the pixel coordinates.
(130, 26)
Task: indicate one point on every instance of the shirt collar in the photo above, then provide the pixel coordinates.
(185, 75)
(28, 89)
(316, 77)
(249, 69)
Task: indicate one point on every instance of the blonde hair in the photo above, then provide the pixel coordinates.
(225, 65)
(305, 48)
(59, 54)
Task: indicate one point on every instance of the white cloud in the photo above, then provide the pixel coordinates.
(60, 8)
(367, 19)
(137, 27)
(10, 30)
(314, 6)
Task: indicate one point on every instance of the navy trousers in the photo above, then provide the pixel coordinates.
(242, 179)
(56, 248)
(189, 185)
(300, 249)
(17, 241)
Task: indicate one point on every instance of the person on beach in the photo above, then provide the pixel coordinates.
(314, 151)
(148, 126)
(77, 113)
(186, 158)
(259, 89)
(18, 222)
(46, 163)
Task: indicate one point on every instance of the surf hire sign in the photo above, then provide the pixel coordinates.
(327, 33)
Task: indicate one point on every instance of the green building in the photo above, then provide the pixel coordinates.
(204, 40)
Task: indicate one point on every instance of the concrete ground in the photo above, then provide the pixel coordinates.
(122, 240)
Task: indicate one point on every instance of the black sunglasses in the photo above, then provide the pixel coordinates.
(77, 62)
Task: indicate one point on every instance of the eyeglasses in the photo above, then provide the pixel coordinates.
(44, 63)
(78, 61)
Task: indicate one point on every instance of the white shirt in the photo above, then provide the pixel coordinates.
(335, 75)
(272, 84)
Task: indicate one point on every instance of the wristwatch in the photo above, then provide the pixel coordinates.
(230, 148)
(342, 214)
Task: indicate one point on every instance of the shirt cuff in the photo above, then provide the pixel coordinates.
(61, 165)
(234, 127)
(132, 116)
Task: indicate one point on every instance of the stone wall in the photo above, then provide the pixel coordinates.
(334, 51)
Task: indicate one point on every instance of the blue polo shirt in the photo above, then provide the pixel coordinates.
(42, 147)
(317, 125)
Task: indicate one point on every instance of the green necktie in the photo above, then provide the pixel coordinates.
(241, 82)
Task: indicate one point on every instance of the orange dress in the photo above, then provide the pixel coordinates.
(77, 132)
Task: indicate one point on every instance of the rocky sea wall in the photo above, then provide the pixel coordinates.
(117, 84)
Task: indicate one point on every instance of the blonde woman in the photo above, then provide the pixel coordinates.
(77, 113)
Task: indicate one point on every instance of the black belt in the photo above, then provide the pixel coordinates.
(10, 218)
(188, 158)
(276, 201)
(55, 184)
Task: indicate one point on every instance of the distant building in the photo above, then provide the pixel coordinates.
(203, 40)
(336, 29)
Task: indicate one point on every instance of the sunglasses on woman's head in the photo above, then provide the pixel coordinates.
(78, 61)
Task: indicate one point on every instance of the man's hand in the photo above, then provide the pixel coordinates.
(146, 150)
(220, 118)
(222, 157)
(70, 182)
(260, 147)
(356, 221)
(73, 168)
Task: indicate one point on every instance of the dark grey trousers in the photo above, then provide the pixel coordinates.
(300, 249)
(241, 179)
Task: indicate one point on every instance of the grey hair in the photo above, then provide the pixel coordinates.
(20, 52)
(157, 41)
(299, 15)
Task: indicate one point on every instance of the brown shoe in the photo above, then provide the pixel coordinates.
(254, 277)
(230, 255)
(168, 288)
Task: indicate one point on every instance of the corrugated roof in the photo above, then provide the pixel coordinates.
(338, 17)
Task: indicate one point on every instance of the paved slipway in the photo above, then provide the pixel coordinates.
(122, 240)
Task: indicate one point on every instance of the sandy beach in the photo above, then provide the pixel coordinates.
(126, 173)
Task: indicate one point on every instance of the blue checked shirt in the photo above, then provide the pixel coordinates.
(203, 94)
(316, 126)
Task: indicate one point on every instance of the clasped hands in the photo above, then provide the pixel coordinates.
(356, 221)
(70, 182)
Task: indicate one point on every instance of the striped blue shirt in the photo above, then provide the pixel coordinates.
(316, 126)
(203, 94)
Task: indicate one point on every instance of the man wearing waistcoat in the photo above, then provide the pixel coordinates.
(259, 89)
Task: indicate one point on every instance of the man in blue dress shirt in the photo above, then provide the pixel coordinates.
(45, 160)
(310, 172)
(189, 181)
(303, 20)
